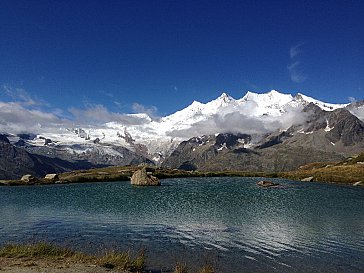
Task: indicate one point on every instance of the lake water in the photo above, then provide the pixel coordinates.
(228, 222)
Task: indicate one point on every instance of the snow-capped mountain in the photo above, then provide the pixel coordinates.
(138, 137)
(264, 112)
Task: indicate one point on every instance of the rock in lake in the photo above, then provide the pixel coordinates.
(141, 178)
(265, 183)
(28, 178)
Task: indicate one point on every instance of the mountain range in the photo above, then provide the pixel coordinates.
(266, 132)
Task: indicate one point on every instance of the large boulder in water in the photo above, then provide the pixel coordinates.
(142, 178)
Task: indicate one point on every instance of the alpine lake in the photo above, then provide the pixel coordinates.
(228, 222)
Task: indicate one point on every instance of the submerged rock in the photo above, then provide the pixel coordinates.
(142, 178)
(265, 183)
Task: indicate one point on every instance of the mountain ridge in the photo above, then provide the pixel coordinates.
(261, 117)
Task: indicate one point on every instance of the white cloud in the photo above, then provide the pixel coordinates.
(351, 99)
(294, 51)
(15, 118)
(20, 95)
(99, 115)
(149, 110)
(295, 70)
(234, 120)
(107, 94)
(296, 73)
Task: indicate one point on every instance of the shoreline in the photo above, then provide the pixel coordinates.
(317, 172)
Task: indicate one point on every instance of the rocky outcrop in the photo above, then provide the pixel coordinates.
(30, 179)
(142, 178)
(266, 184)
(51, 177)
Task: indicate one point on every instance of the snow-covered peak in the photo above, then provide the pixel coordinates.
(271, 99)
(223, 100)
(224, 97)
(195, 108)
(323, 105)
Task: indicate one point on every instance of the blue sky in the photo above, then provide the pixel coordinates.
(159, 56)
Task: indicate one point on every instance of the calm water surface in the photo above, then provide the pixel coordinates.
(229, 222)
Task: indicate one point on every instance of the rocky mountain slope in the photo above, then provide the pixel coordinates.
(324, 136)
(15, 162)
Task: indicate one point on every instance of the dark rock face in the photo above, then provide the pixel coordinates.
(15, 162)
(4, 139)
(27, 136)
(187, 166)
(230, 140)
(274, 140)
(142, 178)
(347, 128)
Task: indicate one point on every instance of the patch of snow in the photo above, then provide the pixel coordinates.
(223, 146)
(328, 128)
(248, 145)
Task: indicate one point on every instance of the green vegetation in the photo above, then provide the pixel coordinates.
(348, 171)
(39, 250)
(124, 261)
(119, 261)
(333, 174)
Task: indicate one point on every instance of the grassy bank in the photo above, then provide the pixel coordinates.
(41, 256)
(43, 252)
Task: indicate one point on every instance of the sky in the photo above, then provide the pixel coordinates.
(158, 56)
